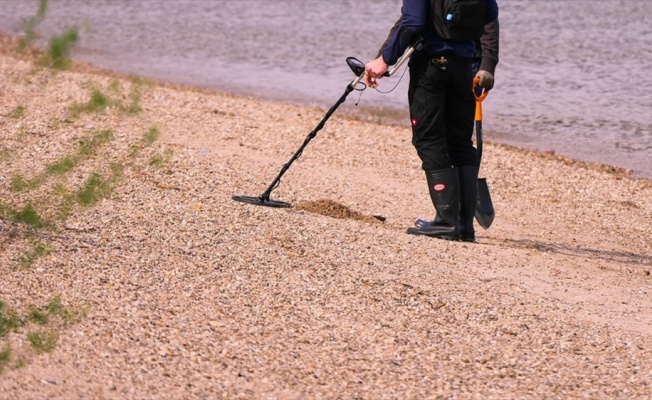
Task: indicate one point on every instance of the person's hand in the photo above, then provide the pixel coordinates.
(374, 70)
(485, 80)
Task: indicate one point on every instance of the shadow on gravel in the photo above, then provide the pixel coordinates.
(579, 251)
(333, 209)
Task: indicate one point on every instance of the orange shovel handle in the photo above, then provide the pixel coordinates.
(478, 99)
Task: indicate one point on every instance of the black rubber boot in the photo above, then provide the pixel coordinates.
(443, 185)
(420, 223)
(468, 198)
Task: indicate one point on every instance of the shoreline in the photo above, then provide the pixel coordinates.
(380, 115)
(129, 272)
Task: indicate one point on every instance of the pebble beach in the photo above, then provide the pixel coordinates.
(118, 228)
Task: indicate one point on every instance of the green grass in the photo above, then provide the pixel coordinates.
(19, 184)
(38, 250)
(28, 216)
(151, 136)
(134, 106)
(43, 342)
(68, 315)
(41, 325)
(89, 194)
(61, 166)
(18, 112)
(57, 53)
(97, 188)
(59, 48)
(5, 154)
(66, 201)
(29, 26)
(5, 357)
(9, 320)
(99, 101)
(55, 306)
(38, 317)
(157, 161)
(87, 147)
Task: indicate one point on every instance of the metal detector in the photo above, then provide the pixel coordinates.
(358, 68)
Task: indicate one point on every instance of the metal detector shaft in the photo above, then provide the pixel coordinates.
(400, 62)
(311, 135)
(406, 56)
(358, 69)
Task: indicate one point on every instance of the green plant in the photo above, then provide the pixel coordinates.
(148, 139)
(28, 216)
(61, 166)
(43, 341)
(37, 316)
(30, 24)
(68, 315)
(66, 202)
(98, 102)
(160, 160)
(57, 54)
(87, 146)
(39, 250)
(151, 136)
(157, 161)
(9, 320)
(5, 153)
(19, 184)
(114, 86)
(55, 306)
(134, 106)
(117, 172)
(89, 194)
(18, 112)
(5, 357)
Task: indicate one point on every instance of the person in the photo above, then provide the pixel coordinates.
(442, 107)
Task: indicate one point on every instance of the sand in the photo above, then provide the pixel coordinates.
(175, 291)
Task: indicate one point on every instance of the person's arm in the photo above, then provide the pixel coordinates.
(489, 43)
(413, 20)
(392, 32)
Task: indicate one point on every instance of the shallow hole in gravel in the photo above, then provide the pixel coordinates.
(334, 209)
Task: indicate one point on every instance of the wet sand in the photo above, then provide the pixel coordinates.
(180, 292)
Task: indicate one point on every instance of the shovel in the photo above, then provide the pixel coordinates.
(484, 208)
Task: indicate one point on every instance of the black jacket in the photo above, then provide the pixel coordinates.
(486, 51)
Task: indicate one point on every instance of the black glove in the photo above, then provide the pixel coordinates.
(485, 80)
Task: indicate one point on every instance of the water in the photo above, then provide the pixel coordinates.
(574, 76)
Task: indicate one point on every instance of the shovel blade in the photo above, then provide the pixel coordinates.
(484, 208)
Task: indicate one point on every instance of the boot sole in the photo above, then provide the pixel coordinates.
(419, 232)
(422, 223)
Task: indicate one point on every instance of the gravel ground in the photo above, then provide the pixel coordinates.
(175, 291)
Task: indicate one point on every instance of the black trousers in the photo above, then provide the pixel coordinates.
(442, 110)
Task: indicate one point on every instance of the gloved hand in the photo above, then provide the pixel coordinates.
(485, 80)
